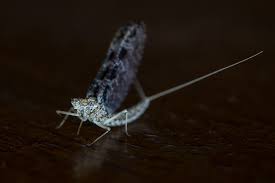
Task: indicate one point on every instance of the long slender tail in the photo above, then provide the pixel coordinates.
(176, 88)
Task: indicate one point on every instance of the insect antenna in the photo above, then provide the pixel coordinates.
(176, 88)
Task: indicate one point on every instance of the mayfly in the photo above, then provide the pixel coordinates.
(111, 84)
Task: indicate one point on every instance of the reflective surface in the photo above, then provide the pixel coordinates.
(219, 130)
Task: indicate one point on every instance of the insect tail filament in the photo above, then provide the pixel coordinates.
(176, 88)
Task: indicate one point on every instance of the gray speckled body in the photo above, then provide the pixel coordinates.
(90, 111)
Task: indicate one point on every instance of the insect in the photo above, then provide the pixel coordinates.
(111, 84)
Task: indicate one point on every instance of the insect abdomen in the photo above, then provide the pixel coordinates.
(133, 113)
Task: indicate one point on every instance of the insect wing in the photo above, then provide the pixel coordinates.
(120, 66)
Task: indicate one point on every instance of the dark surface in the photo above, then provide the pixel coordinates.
(220, 130)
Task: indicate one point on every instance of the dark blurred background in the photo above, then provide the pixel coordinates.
(219, 130)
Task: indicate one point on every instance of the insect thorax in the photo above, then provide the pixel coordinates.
(89, 109)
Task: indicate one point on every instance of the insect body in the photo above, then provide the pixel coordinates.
(112, 83)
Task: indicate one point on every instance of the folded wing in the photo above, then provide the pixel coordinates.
(119, 68)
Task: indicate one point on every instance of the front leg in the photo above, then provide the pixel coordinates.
(67, 114)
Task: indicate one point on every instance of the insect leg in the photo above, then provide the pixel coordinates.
(80, 125)
(134, 113)
(125, 111)
(143, 97)
(108, 129)
(67, 114)
(139, 89)
(118, 122)
(114, 117)
(126, 126)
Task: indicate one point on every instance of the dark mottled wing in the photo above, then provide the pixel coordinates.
(119, 68)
